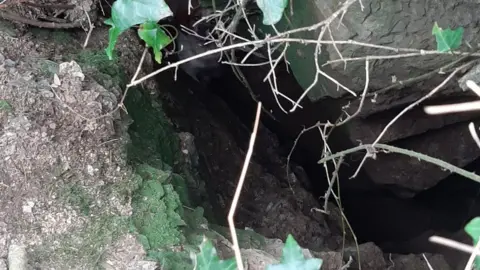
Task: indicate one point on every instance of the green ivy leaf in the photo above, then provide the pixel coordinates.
(127, 13)
(293, 259)
(207, 259)
(448, 39)
(154, 37)
(5, 106)
(473, 229)
(272, 10)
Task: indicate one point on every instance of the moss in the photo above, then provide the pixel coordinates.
(84, 248)
(158, 217)
(167, 224)
(180, 185)
(95, 64)
(47, 68)
(153, 139)
(60, 37)
(78, 197)
(246, 238)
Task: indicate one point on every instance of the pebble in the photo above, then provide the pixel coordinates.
(10, 63)
(17, 257)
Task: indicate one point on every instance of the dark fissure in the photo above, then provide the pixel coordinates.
(379, 214)
(376, 213)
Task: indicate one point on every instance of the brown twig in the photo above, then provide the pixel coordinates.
(52, 25)
(50, 6)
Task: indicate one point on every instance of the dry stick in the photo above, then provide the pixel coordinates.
(471, 127)
(53, 25)
(52, 6)
(323, 24)
(406, 55)
(457, 107)
(318, 124)
(460, 107)
(90, 29)
(362, 100)
(275, 39)
(274, 87)
(469, 265)
(454, 244)
(422, 77)
(332, 182)
(335, 46)
(325, 138)
(367, 81)
(453, 108)
(428, 263)
(178, 63)
(313, 27)
(139, 67)
(347, 4)
(474, 87)
(431, 93)
(238, 190)
(389, 148)
(326, 151)
(473, 133)
(293, 149)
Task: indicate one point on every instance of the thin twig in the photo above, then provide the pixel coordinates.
(473, 133)
(408, 108)
(53, 25)
(453, 108)
(410, 81)
(238, 190)
(474, 87)
(389, 148)
(469, 265)
(428, 263)
(329, 191)
(90, 29)
(454, 244)
(51, 6)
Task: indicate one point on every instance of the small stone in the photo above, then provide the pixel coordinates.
(48, 94)
(10, 63)
(90, 170)
(28, 207)
(17, 257)
(2, 58)
(52, 125)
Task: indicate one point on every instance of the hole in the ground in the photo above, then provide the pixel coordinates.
(375, 213)
(398, 225)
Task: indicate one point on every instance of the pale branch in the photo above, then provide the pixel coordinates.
(238, 190)
(371, 147)
(408, 108)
